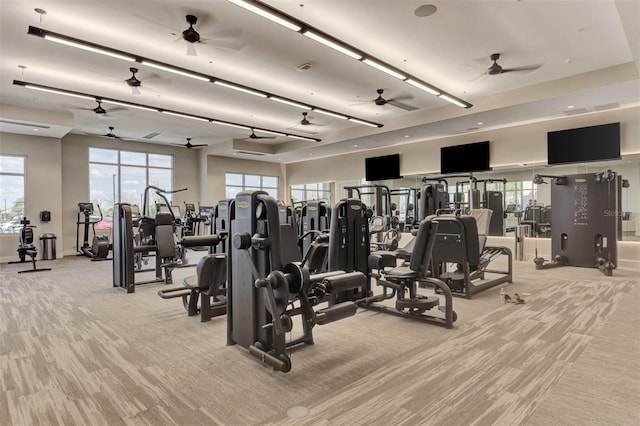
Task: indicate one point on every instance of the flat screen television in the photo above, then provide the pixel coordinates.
(382, 168)
(471, 157)
(584, 144)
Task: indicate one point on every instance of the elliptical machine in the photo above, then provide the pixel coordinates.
(100, 247)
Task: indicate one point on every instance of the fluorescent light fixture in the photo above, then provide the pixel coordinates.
(95, 98)
(453, 101)
(239, 88)
(90, 48)
(366, 123)
(125, 104)
(329, 43)
(224, 123)
(288, 102)
(304, 138)
(330, 114)
(178, 114)
(59, 92)
(384, 68)
(175, 71)
(252, 7)
(270, 132)
(422, 86)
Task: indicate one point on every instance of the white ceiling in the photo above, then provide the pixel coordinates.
(589, 51)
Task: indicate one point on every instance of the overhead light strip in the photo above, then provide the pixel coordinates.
(175, 70)
(265, 11)
(178, 114)
(262, 9)
(81, 44)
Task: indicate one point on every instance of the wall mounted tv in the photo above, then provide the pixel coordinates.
(382, 168)
(584, 144)
(472, 157)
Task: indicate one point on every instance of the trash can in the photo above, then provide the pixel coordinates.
(48, 246)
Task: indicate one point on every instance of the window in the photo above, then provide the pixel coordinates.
(520, 193)
(121, 177)
(311, 191)
(236, 182)
(11, 192)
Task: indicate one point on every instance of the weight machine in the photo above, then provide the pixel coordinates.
(266, 292)
(585, 234)
(26, 246)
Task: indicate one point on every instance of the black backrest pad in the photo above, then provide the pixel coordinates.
(457, 236)
(423, 246)
(212, 269)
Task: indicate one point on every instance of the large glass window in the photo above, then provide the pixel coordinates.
(12, 175)
(236, 182)
(121, 176)
(519, 193)
(311, 191)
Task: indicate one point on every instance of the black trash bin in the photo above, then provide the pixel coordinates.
(48, 246)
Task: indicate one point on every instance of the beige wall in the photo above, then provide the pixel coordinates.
(526, 143)
(43, 189)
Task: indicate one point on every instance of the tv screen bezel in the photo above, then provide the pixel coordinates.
(370, 164)
(589, 159)
(448, 149)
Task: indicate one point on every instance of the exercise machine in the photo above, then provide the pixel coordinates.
(314, 216)
(266, 291)
(461, 257)
(26, 246)
(402, 282)
(100, 246)
(152, 235)
(585, 234)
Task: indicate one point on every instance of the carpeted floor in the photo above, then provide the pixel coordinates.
(76, 351)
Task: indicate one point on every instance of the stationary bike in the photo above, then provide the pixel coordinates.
(26, 247)
(99, 249)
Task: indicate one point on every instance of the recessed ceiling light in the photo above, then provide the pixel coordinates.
(570, 106)
(406, 136)
(355, 145)
(425, 10)
(479, 123)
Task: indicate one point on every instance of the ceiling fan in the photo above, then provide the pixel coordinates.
(133, 81)
(380, 101)
(100, 111)
(111, 134)
(254, 136)
(305, 121)
(496, 69)
(191, 37)
(189, 145)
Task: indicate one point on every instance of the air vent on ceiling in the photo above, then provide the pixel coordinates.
(260, 154)
(152, 135)
(604, 107)
(576, 111)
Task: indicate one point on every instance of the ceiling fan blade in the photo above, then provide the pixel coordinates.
(191, 49)
(199, 145)
(522, 69)
(157, 79)
(226, 33)
(401, 105)
(225, 45)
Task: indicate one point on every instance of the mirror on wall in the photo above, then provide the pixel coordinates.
(520, 193)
